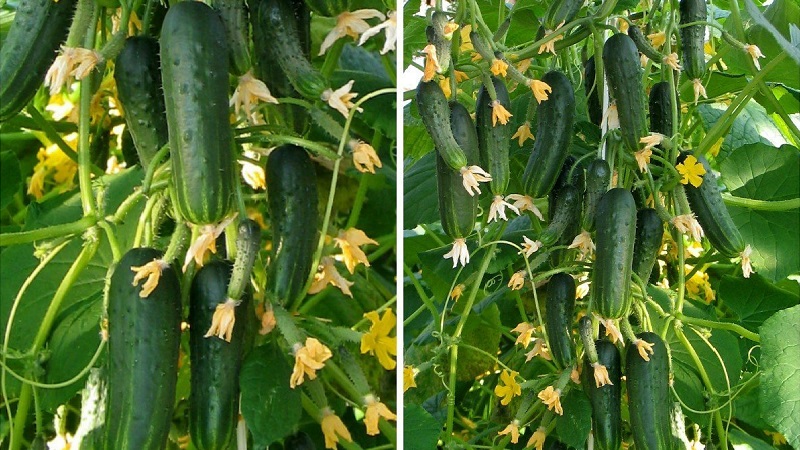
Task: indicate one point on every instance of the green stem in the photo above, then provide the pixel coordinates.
(52, 134)
(421, 292)
(53, 231)
(358, 202)
(736, 328)
(84, 130)
(762, 205)
(274, 139)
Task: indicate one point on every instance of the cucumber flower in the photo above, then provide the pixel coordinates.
(541, 90)
(223, 320)
(248, 93)
(498, 209)
(457, 292)
(350, 242)
(698, 282)
(349, 24)
(333, 428)
(268, 321)
(72, 62)
(471, 176)
(525, 331)
(643, 158)
(612, 332)
(644, 348)
(754, 53)
(600, 375)
(509, 387)
(389, 28)
(207, 241)
(409, 373)
(364, 157)
(657, 39)
(329, 275)
(550, 46)
(538, 438)
(377, 341)
(253, 174)
(499, 67)
(583, 242)
(688, 224)
(611, 116)
(375, 410)
(651, 140)
(308, 359)
(552, 398)
(747, 269)
(459, 253)
(671, 60)
(517, 281)
(449, 29)
(530, 247)
(539, 349)
(575, 374)
(699, 90)
(523, 133)
(499, 113)
(432, 66)
(692, 171)
(151, 271)
(525, 203)
(513, 429)
(340, 99)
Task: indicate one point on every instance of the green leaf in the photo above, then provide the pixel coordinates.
(743, 441)
(264, 383)
(369, 75)
(421, 429)
(752, 125)
(762, 172)
(780, 362)
(753, 300)
(10, 178)
(573, 427)
(416, 140)
(420, 200)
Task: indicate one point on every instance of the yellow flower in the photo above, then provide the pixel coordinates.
(699, 90)
(643, 348)
(671, 60)
(747, 268)
(365, 159)
(688, 224)
(36, 185)
(223, 321)
(509, 389)
(541, 90)
(525, 203)
(457, 292)
(375, 410)
(71, 62)
(583, 242)
(651, 140)
(350, 242)
(253, 174)
(611, 116)
(308, 359)
(498, 209)
(754, 53)
(151, 271)
(409, 373)
(459, 253)
(444, 83)
(248, 93)
(499, 67)
(517, 281)
(449, 29)
(714, 149)
(59, 106)
(552, 398)
(207, 241)
(539, 349)
(692, 171)
(340, 99)
(471, 176)
(601, 375)
(657, 39)
(333, 428)
(550, 46)
(349, 24)
(612, 332)
(431, 62)
(575, 375)
(377, 340)
(523, 133)
(777, 438)
(699, 281)
(538, 438)
(582, 290)
(329, 275)
(499, 113)
(466, 40)
(389, 28)
(643, 158)
(623, 25)
(513, 429)
(525, 331)
(268, 321)
(529, 247)
(113, 166)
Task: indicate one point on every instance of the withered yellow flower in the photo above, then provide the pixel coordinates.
(350, 241)
(333, 428)
(152, 272)
(375, 410)
(223, 320)
(308, 359)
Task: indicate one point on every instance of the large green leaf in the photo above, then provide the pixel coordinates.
(421, 430)
(416, 140)
(10, 178)
(753, 300)
(743, 441)
(573, 427)
(762, 172)
(752, 125)
(420, 201)
(780, 361)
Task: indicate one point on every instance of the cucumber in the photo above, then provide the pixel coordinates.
(593, 105)
(556, 116)
(643, 45)
(137, 72)
(458, 209)
(561, 182)
(248, 243)
(443, 45)
(559, 310)
(598, 178)
(712, 214)
(649, 399)
(623, 73)
(661, 108)
(693, 38)
(435, 114)
(194, 64)
(293, 214)
(234, 17)
(215, 363)
(328, 8)
(649, 233)
(494, 140)
(29, 49)
(567, 212)
(144, 337)
(616, 230)
(606, 400)
(562, 11)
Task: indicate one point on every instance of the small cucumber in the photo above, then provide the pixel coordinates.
(693, 37)
(649, 399)
(457, 208)
(248, 243)
(435, 115)
(661, 108)
(494, 140)
(624, 76)
(649, 233)
(556, 116)
(643, 45)
(598, 178)
(144, 336)
(439, 21)
(562, 181)
(562, 11)
(559, 310)
(593, 105)
(234, 16)
(616, 230)
(567, 213)
(606, 400)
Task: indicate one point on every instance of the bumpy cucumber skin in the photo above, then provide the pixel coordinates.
(143, 347)
(194, 65)
(661, 108)
(606, 400)
(556, 116)
(248, 243)
(712, 214)
(494, 140)
(29, 49)
(616, 230)
(649, 233)
(623, 73)
(137, 72)
(234, 16)
(215, 363)
(643, 45)
(693, 38)
(562, 11)
(598, 178)
(443, 45)
(567, 212)
(649, 400)
(593, 99)
(561, 181)
(435, 114)
(458, 209)
(560, 308)
(292, 186)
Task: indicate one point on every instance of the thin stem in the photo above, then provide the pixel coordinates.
(736, 328)
(51, 232)
(762, 205)
(84, 130)
(421, 292)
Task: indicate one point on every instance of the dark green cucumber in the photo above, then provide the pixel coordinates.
(615, 221)
(562, 181)
(144, 337)
(649, 399)
(559, 310)
(215, 363)
(494, 140)
(435, 114)
(329, 8)
(556, 116)
(593, 105)
(562, 11)
(661, 108)
(649, 233)
(39, 28)
(712, 214)
(606, 400)
(623, 73)
(137, 72)
(283, 36)
(693, 38)
(292, 186)
(643, 45)
(234, 17)
(194, 64)
(598, 178)
(248, 243)
(457, 208)
(567, 213)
